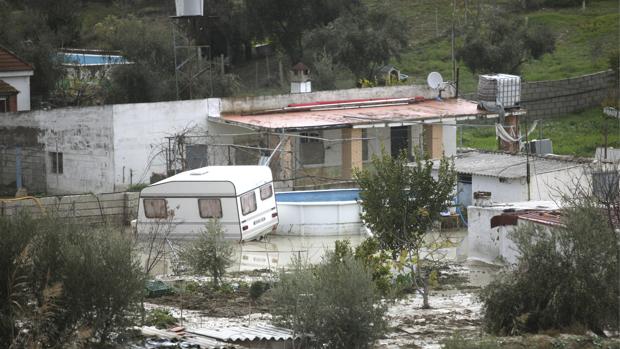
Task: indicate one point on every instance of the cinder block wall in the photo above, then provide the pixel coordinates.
(556, 97)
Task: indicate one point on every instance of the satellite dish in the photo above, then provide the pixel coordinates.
(434, 80)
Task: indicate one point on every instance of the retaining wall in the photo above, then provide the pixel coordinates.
(557, 97)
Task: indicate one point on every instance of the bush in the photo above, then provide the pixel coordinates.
(210, 253)
(258, 288)
(336, 301)
(160, 318)
(565, 277)
(80, 277)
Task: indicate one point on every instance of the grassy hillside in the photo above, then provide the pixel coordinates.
(574, 134)
(584, 39)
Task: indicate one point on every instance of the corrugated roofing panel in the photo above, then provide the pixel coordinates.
(243, 333)
(348, 117)
(507, 165)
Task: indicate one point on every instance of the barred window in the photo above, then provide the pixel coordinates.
(248, 203)
(266, 191)
(210, 208)
(155, 208)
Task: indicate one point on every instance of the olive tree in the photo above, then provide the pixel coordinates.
(335, 302)
(401, 202)
(566, 275)
(61, 282)
(210, 253)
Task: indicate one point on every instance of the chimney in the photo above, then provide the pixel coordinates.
(300, 79)
(482, 198)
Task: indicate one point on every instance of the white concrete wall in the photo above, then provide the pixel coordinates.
(141, 129)
(21, 81)
(493, 245)
(552, 185)
(84, 136)
(511, 190)
(449, 137)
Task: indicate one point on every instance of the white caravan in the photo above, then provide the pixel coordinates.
(241, 197)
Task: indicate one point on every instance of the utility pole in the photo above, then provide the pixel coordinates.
(527, 162)
(452, 41)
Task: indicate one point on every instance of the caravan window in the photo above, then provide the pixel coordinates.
(155, 208)
(210, 208)
(266, 191)
(248, 202)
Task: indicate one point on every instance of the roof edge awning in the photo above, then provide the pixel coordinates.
(396, 113)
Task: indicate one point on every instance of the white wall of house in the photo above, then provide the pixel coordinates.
(449, 136)
(508, 190)
(140, 131)
(493, 245)
(82, 137)
(21, 81)
(551, 186)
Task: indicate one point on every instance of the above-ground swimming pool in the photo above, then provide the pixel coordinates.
(319, 212)
(91, 59)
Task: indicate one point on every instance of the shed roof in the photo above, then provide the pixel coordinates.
(504, 165)
(7, 89)
(378, 113)
(11, 62)
(244, 178)
(246, 333)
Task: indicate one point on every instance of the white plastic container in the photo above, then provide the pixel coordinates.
(501, 89)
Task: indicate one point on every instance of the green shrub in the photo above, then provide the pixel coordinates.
(210, 253)
(160, 318)
(566, 276)
(336, 301)
(80, 277)
(258, 288)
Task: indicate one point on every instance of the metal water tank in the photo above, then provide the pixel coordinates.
(189, 8)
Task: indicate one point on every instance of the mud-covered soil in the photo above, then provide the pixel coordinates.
(211, 303)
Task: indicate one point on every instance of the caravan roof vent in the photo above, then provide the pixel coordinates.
(200, 172)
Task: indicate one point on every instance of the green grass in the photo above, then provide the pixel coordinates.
(575, 134)
(584, 40)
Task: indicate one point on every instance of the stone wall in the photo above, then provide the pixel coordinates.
(557, 97)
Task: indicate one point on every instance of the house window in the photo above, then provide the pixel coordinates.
(4, 105)
(210, 208)
(248, 202)
(266, 191)
(155, 208)
(56, 161)
(311, 148)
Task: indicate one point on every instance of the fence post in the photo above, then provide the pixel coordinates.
(125, 208)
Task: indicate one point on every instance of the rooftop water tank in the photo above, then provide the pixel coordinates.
(189, 8)
(500, 88)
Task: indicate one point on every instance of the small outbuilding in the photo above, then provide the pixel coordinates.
(507, 178)
(15, 76)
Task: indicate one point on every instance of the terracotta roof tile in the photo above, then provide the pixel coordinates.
(5, 89)
(11, 62)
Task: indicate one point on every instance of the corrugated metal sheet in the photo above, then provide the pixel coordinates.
(349, 117)
(243, 333)
(203, 342)
(11, 62)
(507, 165)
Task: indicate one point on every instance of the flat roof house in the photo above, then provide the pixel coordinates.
(321, 137)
